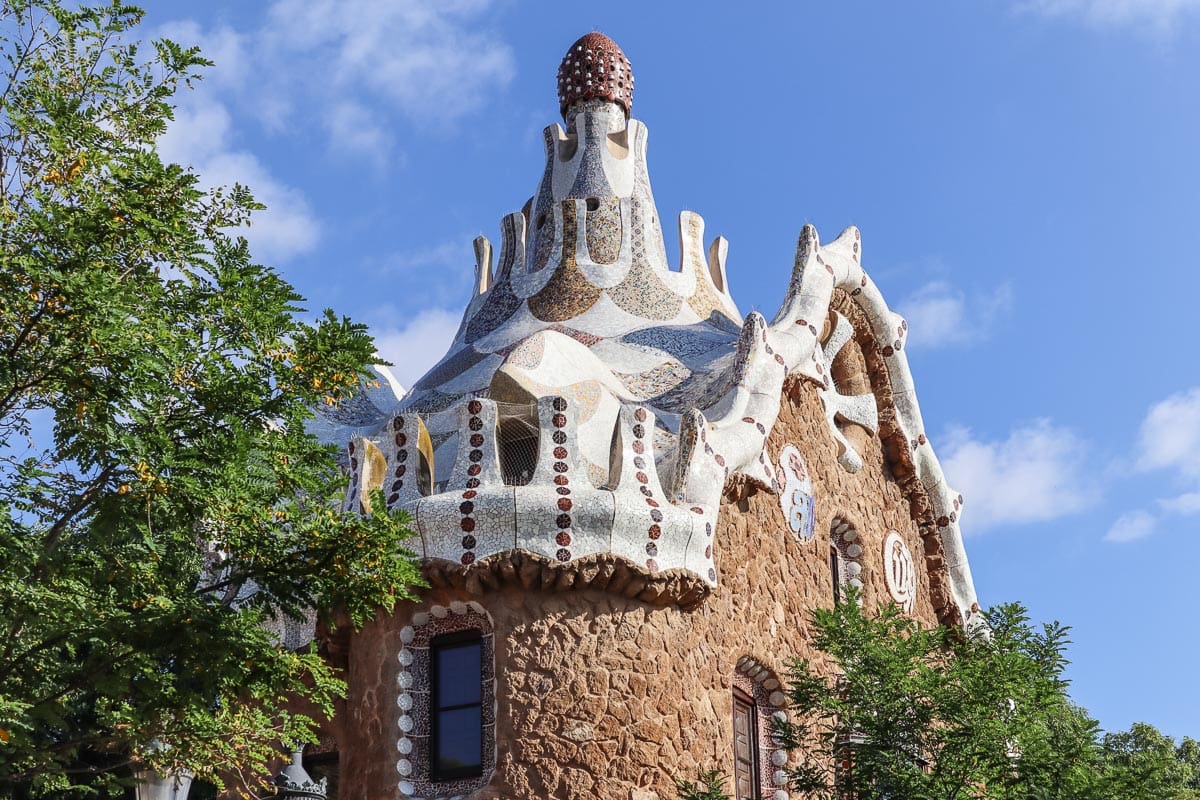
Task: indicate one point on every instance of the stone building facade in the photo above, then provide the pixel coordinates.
(627, 496)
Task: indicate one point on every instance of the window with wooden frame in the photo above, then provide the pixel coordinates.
(835, 569)
(746, 781)
(456, 706)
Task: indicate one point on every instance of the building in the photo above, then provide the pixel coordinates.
(628, 496)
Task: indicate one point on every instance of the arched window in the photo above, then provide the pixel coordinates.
(845, 558)
(745, 747)
(758, 763)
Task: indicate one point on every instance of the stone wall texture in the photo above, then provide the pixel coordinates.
(603, 696)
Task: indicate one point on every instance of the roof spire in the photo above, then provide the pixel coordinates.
(595, 68)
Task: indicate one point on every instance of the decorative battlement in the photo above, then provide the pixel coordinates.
(557, 511)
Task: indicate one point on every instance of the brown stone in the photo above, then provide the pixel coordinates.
(610, 682)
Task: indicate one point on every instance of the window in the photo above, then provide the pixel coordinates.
(845, 559)
(745, 747)
(456, 707)
(517, 440)
(836, 571)
(758, 699)
(446, 701)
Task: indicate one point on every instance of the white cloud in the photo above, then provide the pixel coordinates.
(341, 67)
(443, 254)
(451, 261)
(1131, 527)
(286, 227)
(1170, 435)
(416, 346)
(353, 128)
(347, 67)
(201, 137)
(424, 59)
(1186, 503)
(1159, 16)
(940, 315)
(223, 46)
(200, 131)
(1038, 473)
(1169, 440)
(1140, 524)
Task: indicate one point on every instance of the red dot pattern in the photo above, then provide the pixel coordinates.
(562, 537)
(467, 507)
(654, 530)
(398, 473)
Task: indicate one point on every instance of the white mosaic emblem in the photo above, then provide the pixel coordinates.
(899, 571)
(795, 493)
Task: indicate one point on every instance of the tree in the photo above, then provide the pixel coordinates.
(709, 785)
(931, 713)
(160, 500)
(1142, 762)
(934, 713)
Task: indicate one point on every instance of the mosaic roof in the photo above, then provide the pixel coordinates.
(597, 399)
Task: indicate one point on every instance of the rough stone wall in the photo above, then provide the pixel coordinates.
(604, 696)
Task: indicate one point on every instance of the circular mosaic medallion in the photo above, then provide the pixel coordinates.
(899, 571)
(795, 493)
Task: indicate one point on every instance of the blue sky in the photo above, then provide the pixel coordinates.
(1025, 175)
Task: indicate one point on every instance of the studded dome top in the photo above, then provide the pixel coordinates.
(595, 67)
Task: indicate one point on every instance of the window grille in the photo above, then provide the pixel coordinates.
(517, 441)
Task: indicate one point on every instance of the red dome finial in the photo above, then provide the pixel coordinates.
(595, 67)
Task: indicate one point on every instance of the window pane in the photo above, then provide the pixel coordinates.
(459, 740)
(458, 674)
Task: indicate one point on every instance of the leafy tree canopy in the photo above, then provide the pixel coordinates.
(934, 714)
(159, 497)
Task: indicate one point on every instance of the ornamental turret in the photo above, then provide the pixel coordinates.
(627, 498)
(597, 402)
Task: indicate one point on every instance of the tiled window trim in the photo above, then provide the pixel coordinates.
(412, 680)
(848, 543)
(762, 684)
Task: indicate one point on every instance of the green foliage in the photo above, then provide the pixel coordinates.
(708, 786)
(1142, 762)
(931, 713)
(159, 498)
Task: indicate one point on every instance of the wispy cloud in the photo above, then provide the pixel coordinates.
(201, 137)
(353, 128)
(381, 62)
(1169, 441)
(427, 63)
(430, 61)
(415, 346)
(1038, 473)
(1158, 16)
(1170, 435)
(1131, 527)
(438, 275)
(940, 315)
(1183, 504)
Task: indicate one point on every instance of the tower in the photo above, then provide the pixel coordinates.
(626, 496)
